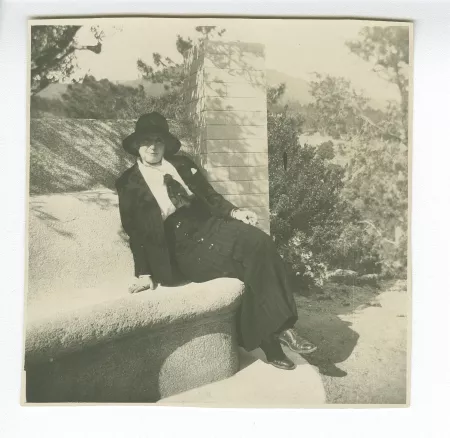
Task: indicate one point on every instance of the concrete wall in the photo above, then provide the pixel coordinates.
(225, 90)
(88, 339)
(137, 348)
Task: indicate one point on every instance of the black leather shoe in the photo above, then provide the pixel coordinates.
(275, 355)
(295, 342)
(284, 364)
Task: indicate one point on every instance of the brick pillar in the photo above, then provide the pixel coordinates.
(226, 96)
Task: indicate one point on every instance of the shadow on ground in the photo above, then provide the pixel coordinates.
(319, 321)
(334, 338)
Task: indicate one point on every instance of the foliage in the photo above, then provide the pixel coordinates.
(339, 106)
(313, 226)
(387, 48)
(93, 99)
(308, 268)
(375, 148)
(326, 150)
(53, 53)
(168, 72)
(343, 113)
(53, 59)
(103, 99)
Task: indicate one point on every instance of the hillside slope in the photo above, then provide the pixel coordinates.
(69, 155)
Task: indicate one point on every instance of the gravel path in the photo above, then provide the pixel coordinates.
(362, 334)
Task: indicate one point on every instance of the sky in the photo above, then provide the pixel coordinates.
(295, 47)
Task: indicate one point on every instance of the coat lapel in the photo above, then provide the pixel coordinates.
(186, 174)
(150, 218)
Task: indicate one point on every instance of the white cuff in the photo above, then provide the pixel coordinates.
(232, 214)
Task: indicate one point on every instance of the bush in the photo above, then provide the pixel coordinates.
(313, 226)
(306, 266)
(355, 249)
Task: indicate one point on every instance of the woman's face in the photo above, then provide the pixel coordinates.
(151, 149)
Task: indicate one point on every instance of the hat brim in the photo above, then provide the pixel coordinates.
(171, 143)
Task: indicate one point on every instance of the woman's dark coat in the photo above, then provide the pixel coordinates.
(142, 221)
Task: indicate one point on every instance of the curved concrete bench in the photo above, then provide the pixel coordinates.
(100, 344)
(139, 348)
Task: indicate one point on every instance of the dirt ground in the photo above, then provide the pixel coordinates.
(362, 335)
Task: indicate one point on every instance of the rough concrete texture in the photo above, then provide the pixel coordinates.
(87, 339)
(140, 368)
(77, 249)
(59, 333)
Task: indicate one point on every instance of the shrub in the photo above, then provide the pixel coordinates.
(313, 226)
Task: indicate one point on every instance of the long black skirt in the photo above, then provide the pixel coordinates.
(205, 247)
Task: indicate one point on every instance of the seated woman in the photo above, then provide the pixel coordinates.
(177, 223)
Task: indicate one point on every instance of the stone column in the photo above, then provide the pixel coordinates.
(225, 90)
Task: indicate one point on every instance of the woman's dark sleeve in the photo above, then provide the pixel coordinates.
(218, 204)
(126, 204)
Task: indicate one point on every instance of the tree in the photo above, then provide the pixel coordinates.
(103, 99)
(376, 161)
(341, 109)
(374, 142)
(313, 226)
(166, 70)
(94, 99)
(53, 53)
(387, 48)
(209, 31)
(341, 112)
(106, 100)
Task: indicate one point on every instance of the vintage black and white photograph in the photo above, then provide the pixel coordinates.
(218, 212)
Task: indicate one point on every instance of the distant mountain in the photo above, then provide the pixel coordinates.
(296, 89)
(150, 88)
(55, 91)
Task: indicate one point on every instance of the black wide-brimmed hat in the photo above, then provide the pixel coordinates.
(151, 123)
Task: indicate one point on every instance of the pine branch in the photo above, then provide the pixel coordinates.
(361, 115)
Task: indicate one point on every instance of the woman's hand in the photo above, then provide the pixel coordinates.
(144, 282)
(246, 216)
